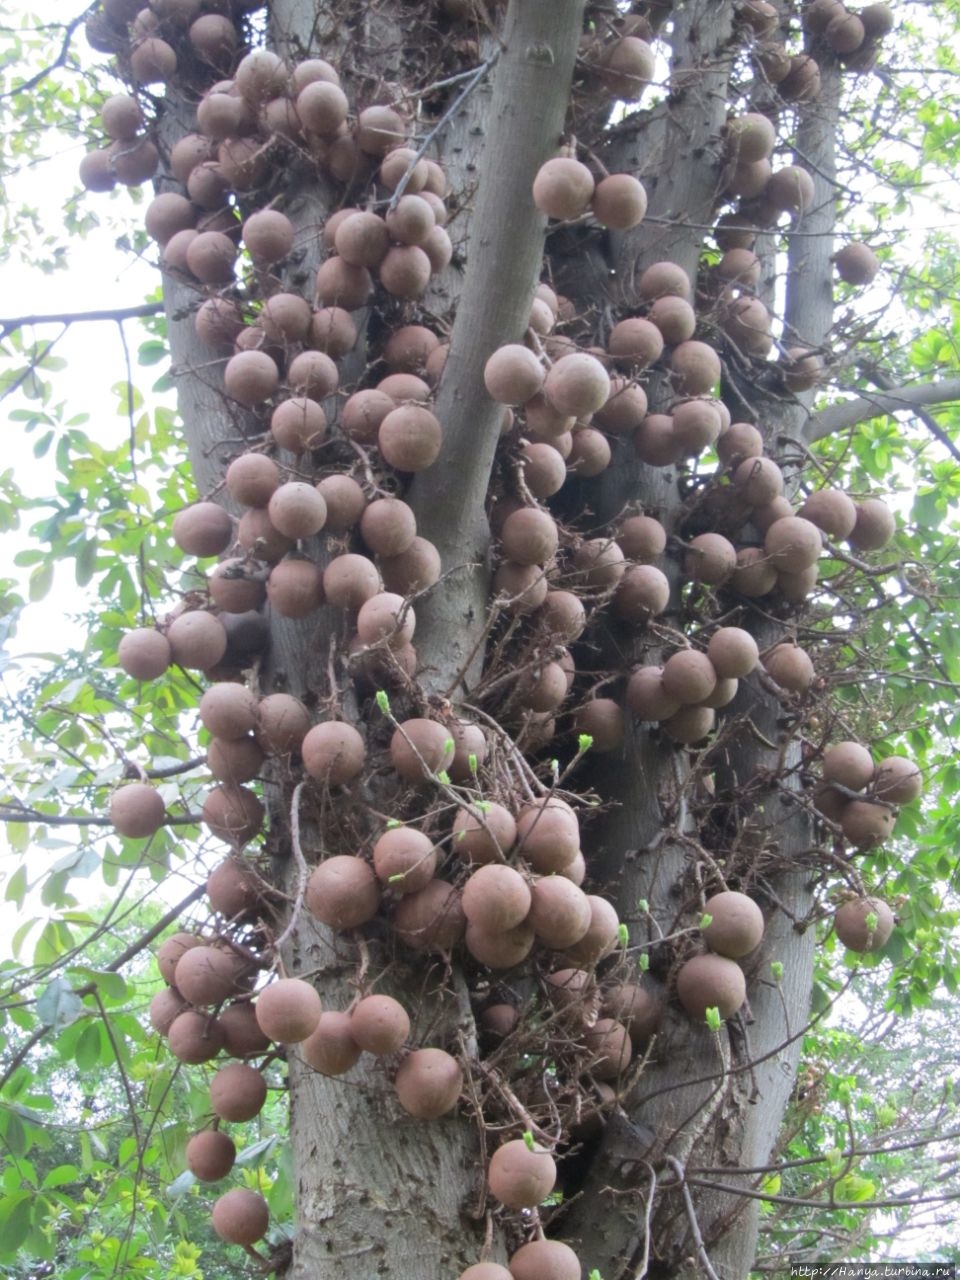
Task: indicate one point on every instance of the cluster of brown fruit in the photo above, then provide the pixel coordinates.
(486, 867)
(862, 797)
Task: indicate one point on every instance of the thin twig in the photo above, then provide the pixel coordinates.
(447, 116)
(302, 869)
(677, 1168)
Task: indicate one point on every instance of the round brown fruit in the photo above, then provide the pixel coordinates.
(601, 936)
(420, 749)
(195, 1037)
(711, 981)
(513, 374)
(875, 526)
(646, 696)
(626, 67)
(690, 724)
(428, 1083)
(864, 924)
(350, 580)
(235, 814)
(144, 653)
(832, 511)
(548, 835)
(343, 892)
(228, 710)
(331, 1048)
(251, 377)
(519, 1177)
(599, 562)
(409, 438)
(563, 188)
(165, 1007)
(791, 667)
(268, 235)
(689, 677)
(897, 780)
(602, 720)
(388, 526)
(137, 810)
(635, 1006)
(234, 889)
(432, 919)
(643, 593)
(710, 558)
(560, 912)
(288, 1010)
(545, 1260)
(849, 764)
(695, 367)
(404, 859)
(345, 502)
(210, 1155)
(867, 825)
(577, 385)
(732, 652)
(484, 832)
(856, 264)
(208, 975)
(641, 538)
(736, 927)
(241, 1216)
(282, 724)
(237, 1092)
(379, 1024)
(610, 1047)
(793, 544)
(242, 1035)
(619, 202)
(496, 898)
(333, 752)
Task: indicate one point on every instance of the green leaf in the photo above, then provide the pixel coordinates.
(16, 1219)
(86, 562)
(62, 1176)
(59, 1005)
(90, 1047)
(41, 580)
(854, 1188)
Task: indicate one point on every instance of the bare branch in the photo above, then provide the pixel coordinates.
(59, 61)
(838, 417)
(117, 314)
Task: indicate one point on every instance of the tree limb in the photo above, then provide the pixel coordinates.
(838, 417)
(117, 314)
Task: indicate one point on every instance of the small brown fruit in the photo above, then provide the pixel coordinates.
(288, 1010)
(237, 1092)
(331, 1048)
(210, 1155)
(519, 1177)
(137, 810)
(379, 1024)
(864, 924)
(711, 981)
(428, 1084)
(343, 892)
(241, 1216)
(333, 752)
(736, 927)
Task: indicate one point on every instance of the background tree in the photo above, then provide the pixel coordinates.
(666, 1177)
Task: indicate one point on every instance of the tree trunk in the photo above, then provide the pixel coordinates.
(376, 1191)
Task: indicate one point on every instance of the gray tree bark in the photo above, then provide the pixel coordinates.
(380, 1194)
